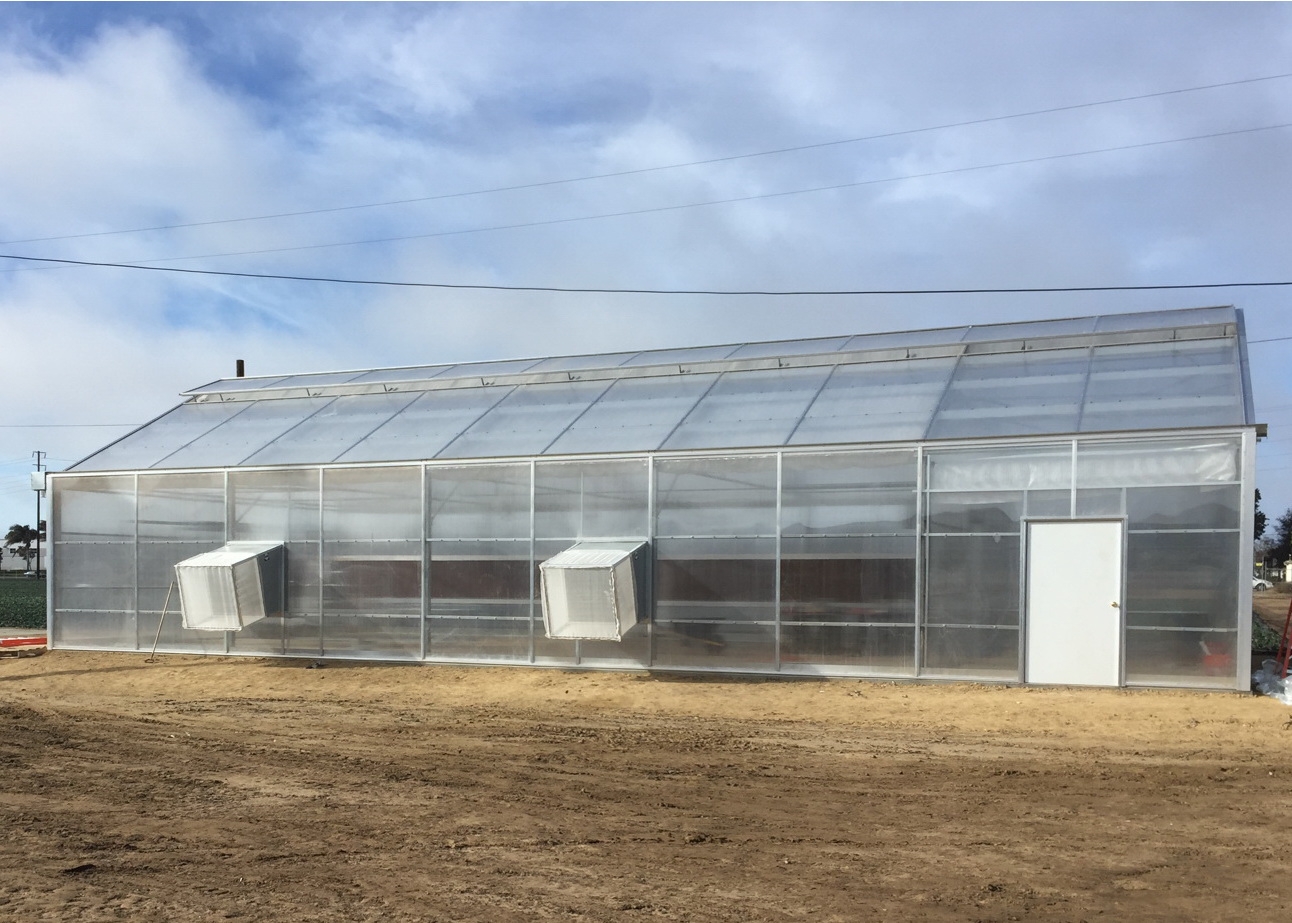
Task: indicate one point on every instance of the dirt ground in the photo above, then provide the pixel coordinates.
(1272, 608)
(256, 790)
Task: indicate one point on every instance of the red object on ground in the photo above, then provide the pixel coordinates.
(33, 641)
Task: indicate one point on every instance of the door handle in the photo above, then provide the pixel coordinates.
(1117, 605)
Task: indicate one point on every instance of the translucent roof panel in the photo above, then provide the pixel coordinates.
(527, 420)
(1012, 394)
(693, 354)
(790, 348)
(325, 378)
(239, 384)
(1164, 385)
(408, 374)
(574, 363)
(332, 431)
(165, 435)
(980, 333)
(906, 338)
(1148, 320)
(875, 402)
(424, 427)
(749, 409)
(1148, 371)
(487, 369)
(635, 415)
(230, 443)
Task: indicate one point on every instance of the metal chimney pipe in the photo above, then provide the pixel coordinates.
(242, 369)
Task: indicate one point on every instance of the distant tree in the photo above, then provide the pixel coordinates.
(1282, 549)
(1260, 517)
(19, 539)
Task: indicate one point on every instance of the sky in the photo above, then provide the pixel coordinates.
(515, 137)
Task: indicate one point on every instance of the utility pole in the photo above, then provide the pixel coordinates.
(39, 458)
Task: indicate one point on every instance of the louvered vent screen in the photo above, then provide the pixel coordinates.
(231, 587)
(590, 591)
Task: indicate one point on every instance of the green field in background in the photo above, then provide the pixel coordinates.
(22, 602)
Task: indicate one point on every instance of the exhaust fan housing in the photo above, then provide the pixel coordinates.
(591, 591)
(233, 586)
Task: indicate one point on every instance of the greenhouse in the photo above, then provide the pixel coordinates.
(1058, 501)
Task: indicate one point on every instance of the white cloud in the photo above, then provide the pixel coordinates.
(143, 116)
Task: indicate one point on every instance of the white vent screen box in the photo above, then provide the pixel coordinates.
(590, 591)
(233, 586)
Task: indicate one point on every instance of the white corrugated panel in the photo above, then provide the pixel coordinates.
(223, 590)
(590, 592)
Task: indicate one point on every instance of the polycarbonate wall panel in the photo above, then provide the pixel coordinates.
(973, 580)
(1181, 580)
(92, 509)
(527, 421)
(372, 561)
(1182, 658)
(590, 501)
(715, 603)
(1017, 393)
(1183, 503)
(1011, 469)
(716, 496)
(93, 575)
(715, 562)
(875, 402)
(334, 430)
(180, 515)
(635, 415)
(849, 493)
(147, 446)
(282, 506)
(802, 564)
(478, 502)
(234, 440)
(749, 409)
(93, 528)
(481, 571)
(848, 550)
(975, 505)
(275, 506)
(1189, 383)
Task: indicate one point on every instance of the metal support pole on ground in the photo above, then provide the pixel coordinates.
(152, 658)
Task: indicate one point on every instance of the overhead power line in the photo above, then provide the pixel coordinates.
(647, 291)
(728, 201)
(662, 167)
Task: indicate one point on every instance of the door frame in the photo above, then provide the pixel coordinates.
(1025, 588)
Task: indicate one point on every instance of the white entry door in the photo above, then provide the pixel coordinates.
(1074, 597)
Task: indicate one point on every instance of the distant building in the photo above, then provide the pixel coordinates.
(10, 561)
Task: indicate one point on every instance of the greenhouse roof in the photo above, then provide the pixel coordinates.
(1145, 371)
